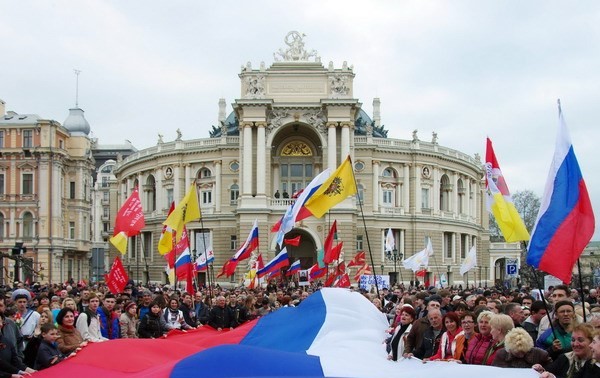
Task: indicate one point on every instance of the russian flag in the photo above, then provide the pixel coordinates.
(204, 259)
(565, 222)
(294, 268)
(250, 245)
(280, 261)
(183, 264)
(332, 333)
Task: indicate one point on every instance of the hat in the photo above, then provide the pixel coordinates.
(433, 297)
(129, 305)
(21, 293)
(55, 299)
(457, 298)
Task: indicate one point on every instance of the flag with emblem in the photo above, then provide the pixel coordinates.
(334, 190)
(186, 211)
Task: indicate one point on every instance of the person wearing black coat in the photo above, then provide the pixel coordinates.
(152, 325)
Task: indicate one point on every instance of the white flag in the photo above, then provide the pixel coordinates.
(420, 259)
(390, 243)
(469, 262)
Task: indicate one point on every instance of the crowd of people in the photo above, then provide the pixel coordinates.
(43, 325)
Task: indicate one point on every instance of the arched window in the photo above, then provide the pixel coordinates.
(389, 186)
(389, 172)
(27, 225)
(445, 189)
(150, 189)
(234, 193)
(204, 173)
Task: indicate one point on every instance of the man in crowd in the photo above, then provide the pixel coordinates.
(415, 336)
(88, 322)
(200, 308)
(219, 316)
(109, 320)
(84, 301)
(28, 318)
(10, 331)
(516, 313)
(431, 336)
(145, 304)
(531, 324)
(189, 315)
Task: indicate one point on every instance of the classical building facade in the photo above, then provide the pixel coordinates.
(291, 121)
(45, 200)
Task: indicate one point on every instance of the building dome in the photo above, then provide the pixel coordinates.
(76, 123)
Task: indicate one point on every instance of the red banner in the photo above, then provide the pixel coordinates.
(130, 218)
(294, 242)
(117, 278)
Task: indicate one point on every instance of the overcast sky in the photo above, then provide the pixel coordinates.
(464, 69)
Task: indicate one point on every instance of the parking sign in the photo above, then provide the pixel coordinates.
(511, 267)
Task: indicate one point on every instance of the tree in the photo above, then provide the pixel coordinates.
(527, 204)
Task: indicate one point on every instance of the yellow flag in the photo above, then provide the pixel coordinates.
(186, 211)
(120, 242)
(334, 190)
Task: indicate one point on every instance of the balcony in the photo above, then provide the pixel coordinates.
(392, 210)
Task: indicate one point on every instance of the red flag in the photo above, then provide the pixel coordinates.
(228, 268)
(344, 281)
(327, 259)
(363, 271)
(334, 255)
(260, 263)
(341, 268)
(117, 278)
(421, 273)
(330, 280)
(277, 225)
(316, 272)
(295, 241)
(129, 221)
(357, 260)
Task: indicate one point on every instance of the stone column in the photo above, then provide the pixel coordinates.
(417, 189)
(177, 184)
(247, 159)
(261, 151)
(331, 146)
(217, 186)
(454, 194)
(453, 246)
(276, 178)
(406, 188)
(188, 177)
(375, 186)
(159, 181)
(436, 191)
(345, 151)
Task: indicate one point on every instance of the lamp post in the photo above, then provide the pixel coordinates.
(394, 256)
(448, 275)
(486, 276)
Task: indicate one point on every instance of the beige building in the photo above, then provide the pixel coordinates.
(45, 201)
(291, 121)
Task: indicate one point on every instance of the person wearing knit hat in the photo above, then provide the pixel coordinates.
(128, 321)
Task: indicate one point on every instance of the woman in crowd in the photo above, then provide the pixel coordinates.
(70, 339)
(557, 341)
(129, 322)
(519, 351)
(447, 349)
(250, 307)
(153, 324)
(70, 303)
(407, 317)
(577, 363)
(480, 342)
(467, 322)
(500, 325)
(31, 350)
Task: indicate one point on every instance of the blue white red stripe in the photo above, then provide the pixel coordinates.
(294, 268)
(250, 245)
(565, 222)
(279, 262)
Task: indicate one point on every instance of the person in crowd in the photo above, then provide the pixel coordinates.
(480, 342)
(578, 363)
(415, 336)
(265, 308)
(144, 306)
(516, 313)
(447, 348)
(83, 300)
(237, 313)
(219, 316)
(109, 319)
(174, 316)
(10, 330)
(407, 317)
(9, 356)
(519, 352)
(531, 324)
(187, 309)
(153, 325)
(70, 339)
(48, 354)
(26, 319)
(250, 308)
(88, 322)
(557, 339)
(467, 322)
(128, 321)
(431, 336)
(70, 303)
(500, 325)
(494, 305)
(559, 293)
(201, 309)
(31, 350)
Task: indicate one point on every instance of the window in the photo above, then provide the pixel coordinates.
(150, 190)
(206, 197)
(425, 198)
(106, 226)
(359, 243)
(105, 196)
(147, 237)
(72, 190)
(1, 138)
(448, 247)
(360, 189)
(61, 144)
(387, 197)
(464, 245)
(295, 174)
(233, 242)
(27, 187)
(205, 173)
(27, 225)
(169, 197)
(106, 212)
(27, 138)
(445, 189)
(1, 184)
(389, 172)
(86, 227)
(234, 193)
(104, 181)
(71, 230)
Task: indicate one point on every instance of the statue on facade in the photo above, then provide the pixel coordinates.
(160, 139)
(415, 137)
(178, 131)
(276, 117)
(255, 87)
(434, 138)
(295, 50)
(338, 85)
(223, 128)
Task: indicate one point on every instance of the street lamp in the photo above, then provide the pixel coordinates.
(394, 256)
(448, 275)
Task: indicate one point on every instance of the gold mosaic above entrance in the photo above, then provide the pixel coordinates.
(296, 149)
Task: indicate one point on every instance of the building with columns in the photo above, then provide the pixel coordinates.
(291, 121)
(45, 201)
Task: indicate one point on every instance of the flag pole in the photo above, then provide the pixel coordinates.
(357, 196)
(581, 289)
(208, 278)
(437, 266)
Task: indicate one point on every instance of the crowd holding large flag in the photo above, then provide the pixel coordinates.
(552, 333)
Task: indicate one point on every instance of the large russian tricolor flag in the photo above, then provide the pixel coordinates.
(333, 333)
(565, 222)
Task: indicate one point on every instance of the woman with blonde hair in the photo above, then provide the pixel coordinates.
(33, 345)
(519, 351)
